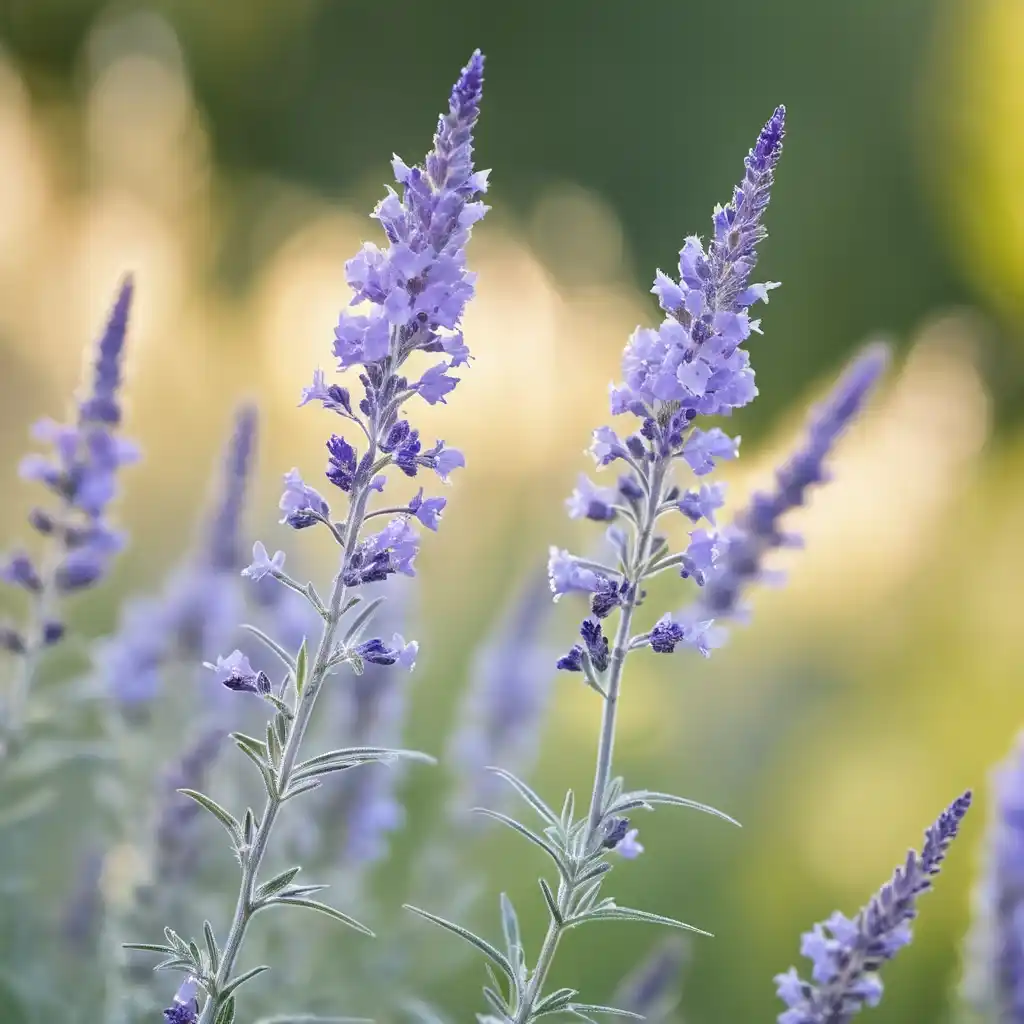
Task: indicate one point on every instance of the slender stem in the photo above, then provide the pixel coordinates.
(602, 772)
(251, 864)
(27, 663)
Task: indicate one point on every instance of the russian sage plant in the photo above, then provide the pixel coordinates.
(78, 541)
(412, 296)
(847, 955)
(692, 366)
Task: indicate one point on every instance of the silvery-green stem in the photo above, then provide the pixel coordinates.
(27, 663)
(606, 745)
(303, 712)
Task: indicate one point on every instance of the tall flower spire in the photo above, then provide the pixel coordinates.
(81, 473)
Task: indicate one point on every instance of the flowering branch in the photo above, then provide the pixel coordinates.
(78, 541)
(415, 292)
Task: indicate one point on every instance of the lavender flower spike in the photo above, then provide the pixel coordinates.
(847, 955)
(81, 473)
(412, 296)
(756, 530)
(994, 977)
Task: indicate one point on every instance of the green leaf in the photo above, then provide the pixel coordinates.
(242, 979)
(323, 908)
(299, 788)
(553, 1002)
(354, 632)
(225, 817)
(274, 746)
(148, 947)
(527, 794)
(339, 760)
(549, 899)
(568, 808)
(211, 947)
(226, 1013)
(628, 914)
(497, 1002)
(301, 668)
(258, 759)
(275, 884)
(285, 657)
(491, 952)
(510, 927)
(645, 798)
(532, 836)
(584, 1009)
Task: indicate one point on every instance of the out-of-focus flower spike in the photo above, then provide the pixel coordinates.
(654, 987)
(756, 530)
(502, 717)
(993, 984)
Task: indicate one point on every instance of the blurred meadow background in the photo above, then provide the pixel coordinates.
(228, 153)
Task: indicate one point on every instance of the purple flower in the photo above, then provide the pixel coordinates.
(302, 505)
(427, 511)
(702, 503)
(566, 575)
(341, 470)
(262, 565)
(703, 448)
(596, 643)
(669, 633)
(994, 976)
(335, 398)
(237, 674)
(376, 652)
(435, 384)
(756, 530)
(185, 1008)
(19, 571)
(846, 955)
(443, 460)
(392, 550)
(591, 502)
(572, 661)
(629, 847)
(607, 446)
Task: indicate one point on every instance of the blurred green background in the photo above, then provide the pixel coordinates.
(228, 152)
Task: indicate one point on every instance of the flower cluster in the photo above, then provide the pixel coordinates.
(847, 955)
(81, 473)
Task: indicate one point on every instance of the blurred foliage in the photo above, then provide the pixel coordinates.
(229, 152)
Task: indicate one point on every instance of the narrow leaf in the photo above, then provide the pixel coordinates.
(147, 947)
(588, 1008)
(299, 787)
(323, 908)
(225, 817)
(527, 834)
(226, 1013)
(272, 644)
(628, 914)
(554, 1001)
(510, 925)
(301, 667)
(355, 629)
(527, 794)
(491, 952)
(549, 899)
(211, 947)
(276, 884)
(242, 979)
(648, 797)
(269, 779)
